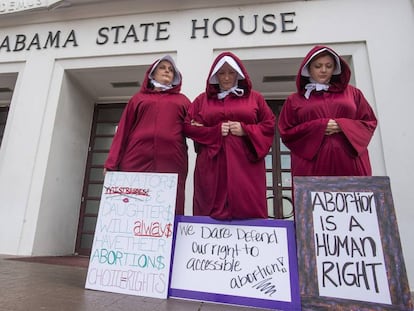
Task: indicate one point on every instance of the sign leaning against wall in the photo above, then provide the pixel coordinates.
(131, 250)
(349, 251)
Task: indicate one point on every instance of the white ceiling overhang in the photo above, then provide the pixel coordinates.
(13, 7)
(8, 7)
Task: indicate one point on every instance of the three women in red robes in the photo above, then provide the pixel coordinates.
(150, 136)
(327, 124)
(233, 128)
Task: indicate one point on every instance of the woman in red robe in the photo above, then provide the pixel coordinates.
(232, 127)
(150, 135)
(327, 124)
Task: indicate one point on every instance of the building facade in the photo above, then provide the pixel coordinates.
(67, 68)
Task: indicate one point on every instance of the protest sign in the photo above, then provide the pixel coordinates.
(349, 252)
(246, 262)
(131, 250)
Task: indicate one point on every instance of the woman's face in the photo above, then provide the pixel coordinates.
(164, 73)
(322, 68)
(226, 77)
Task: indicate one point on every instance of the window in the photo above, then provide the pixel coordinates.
(4, 111)
(278, 173)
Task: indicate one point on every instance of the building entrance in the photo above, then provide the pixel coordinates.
(105, 121)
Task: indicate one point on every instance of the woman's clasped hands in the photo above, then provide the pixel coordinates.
(233, 128)
(332, 127)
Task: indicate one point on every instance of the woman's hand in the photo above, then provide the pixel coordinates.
(225, 128)
(195, 123)
(332, 127)
(236, 128)
(233, 128)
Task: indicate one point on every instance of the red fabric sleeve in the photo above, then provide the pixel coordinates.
(303, 139)
(260, 135)
(359, 131)
(203, 136)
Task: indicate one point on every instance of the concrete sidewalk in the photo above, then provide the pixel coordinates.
(28, 286)
(32, 286)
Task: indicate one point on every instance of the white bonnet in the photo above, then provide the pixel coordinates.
(177, 74)
(305, 71)
(229, 60)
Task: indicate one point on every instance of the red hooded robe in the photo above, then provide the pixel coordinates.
(229, 177)
(302, 125)
(150, 136)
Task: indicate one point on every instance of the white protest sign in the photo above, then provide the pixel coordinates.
(251, 262)
(349, 256)
(348, 244)
(131, 249)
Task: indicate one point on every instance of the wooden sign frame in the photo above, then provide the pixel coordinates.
(394, 263)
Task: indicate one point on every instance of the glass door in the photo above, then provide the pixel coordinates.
(105, 121)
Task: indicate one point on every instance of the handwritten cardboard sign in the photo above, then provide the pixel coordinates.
(349, 250)
(131, 252)
(250, 262)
